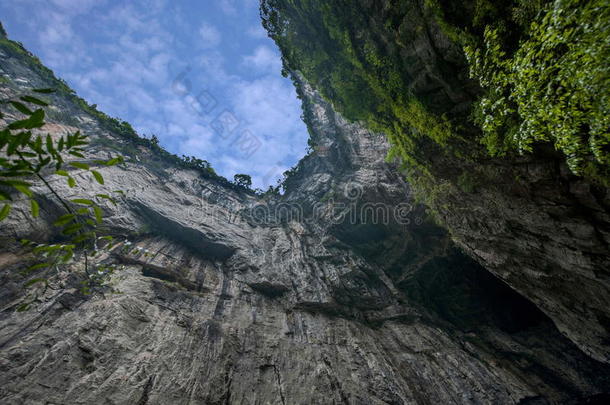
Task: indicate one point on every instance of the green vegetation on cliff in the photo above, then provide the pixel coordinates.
(554, 88)
(539, 74)
(329, 44)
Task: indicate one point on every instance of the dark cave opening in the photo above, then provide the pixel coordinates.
(462, 292)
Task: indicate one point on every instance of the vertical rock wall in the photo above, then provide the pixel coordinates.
(339, 291)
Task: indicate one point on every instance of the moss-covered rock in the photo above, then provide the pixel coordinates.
(508, 147)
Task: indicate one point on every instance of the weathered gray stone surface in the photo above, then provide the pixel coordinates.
(228, 298)
(527, 219)
(531, 222)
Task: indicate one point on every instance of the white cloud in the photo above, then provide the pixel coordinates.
(256, 32)
(228, 7)
(198, 142)
(268, 108)
(264, 59)
(210, 36)
(55, 34)
(140, 100)
(267, 104)
(211, 63)
(75, 7)
(125, 58)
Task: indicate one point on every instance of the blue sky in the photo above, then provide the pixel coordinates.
(202, 75)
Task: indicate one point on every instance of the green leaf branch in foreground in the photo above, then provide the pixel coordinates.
(26, 159)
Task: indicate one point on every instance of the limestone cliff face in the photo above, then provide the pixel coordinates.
(339, 291)
(527, 219)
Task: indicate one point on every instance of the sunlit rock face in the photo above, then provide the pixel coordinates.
(340, 291)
